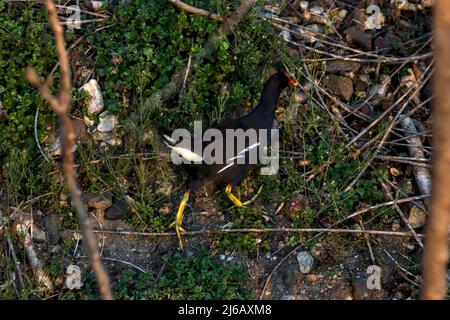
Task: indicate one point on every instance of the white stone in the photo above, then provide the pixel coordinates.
(95, 104)
(88, 122)
(304, 5)
(305, 261)
(107, 122)
(37, 233)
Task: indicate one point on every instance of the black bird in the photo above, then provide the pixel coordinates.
(230, 169)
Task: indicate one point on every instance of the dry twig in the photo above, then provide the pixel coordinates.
(255, 230)
(401, 214)
(60, 104)
(187, 8)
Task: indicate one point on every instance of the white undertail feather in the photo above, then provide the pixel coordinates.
(185, 153)
(239, 156)
(172, 141)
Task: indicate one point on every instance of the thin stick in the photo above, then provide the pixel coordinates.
(393, 106)
(413, 163)
(255, 230)
(120, 261)
(369, 246)
(400, 213)
(188, 68)
(13, 253)
(388, 130)
(266, 284)
(60, 104)
(187, 8)
(409, 199)
(36, 138)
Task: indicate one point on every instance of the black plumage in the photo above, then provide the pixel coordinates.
(231, 172)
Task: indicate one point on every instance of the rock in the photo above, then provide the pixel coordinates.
(398, 295)
(405, 186)
(108, 122)
(107, 138)
(286, 35)
(115, 141)
(88, 122)
(389, 41)
(316, 10)
(98, 200)
(54, 149)
(52, 224)
(304, 5)
(342, 14)
(342, 67)
(295, 206)
(309, 33)
(417, 217)
(359, 37)
(95, 103)
(97, 5)
(37, 233)
(102, 136)
(342, 86)
(311, 278)
(305, 261)
(119, 210)
(73, 277)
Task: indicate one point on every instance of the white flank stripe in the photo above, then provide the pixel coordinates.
(226, 167)
(250, 148)
(243, 151)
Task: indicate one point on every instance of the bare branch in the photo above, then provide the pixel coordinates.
(60, 105)
(255, 230)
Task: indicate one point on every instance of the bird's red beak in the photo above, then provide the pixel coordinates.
(292, 81)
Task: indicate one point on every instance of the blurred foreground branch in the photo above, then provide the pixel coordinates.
(60, 104)
(436, 246)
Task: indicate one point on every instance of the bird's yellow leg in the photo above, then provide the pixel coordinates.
(179, 217)
(253, 198)
(236, 201)
(232, 197)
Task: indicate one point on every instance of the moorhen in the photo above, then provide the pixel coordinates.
(232, 170)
